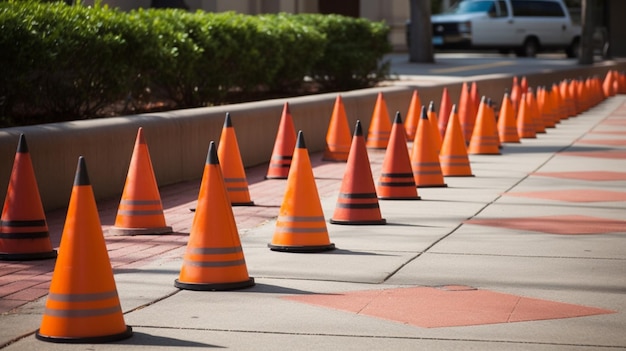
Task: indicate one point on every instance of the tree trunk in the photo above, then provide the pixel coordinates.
(586, 40)
(420, 32)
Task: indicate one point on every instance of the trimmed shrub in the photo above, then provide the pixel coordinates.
(353, 52)
(60, 62)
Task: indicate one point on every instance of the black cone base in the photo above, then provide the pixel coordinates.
(28, 256)
(301, 249)
(214, 286)
(373, 222)
(89, 339)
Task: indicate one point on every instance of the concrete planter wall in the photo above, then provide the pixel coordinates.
(178, 140)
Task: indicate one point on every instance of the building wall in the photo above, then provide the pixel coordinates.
(393, 12)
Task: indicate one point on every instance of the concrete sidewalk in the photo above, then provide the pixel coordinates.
(529, 254)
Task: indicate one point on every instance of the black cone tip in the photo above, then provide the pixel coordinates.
(358, 131)
(211, 158)
(398, 118)
(22, 147)
(454, 109)
(423, 115)
(81, 178)
(227, 121)
(431, 106)
(300, 141)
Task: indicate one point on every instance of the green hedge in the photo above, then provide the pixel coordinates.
(61, 62)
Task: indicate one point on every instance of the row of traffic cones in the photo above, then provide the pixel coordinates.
(89, 311)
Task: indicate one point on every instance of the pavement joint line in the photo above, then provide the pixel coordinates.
(393, 337)
(150, 303)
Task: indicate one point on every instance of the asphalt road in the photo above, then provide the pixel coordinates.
(464, 64)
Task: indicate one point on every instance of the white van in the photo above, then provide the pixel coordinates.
(525, 26)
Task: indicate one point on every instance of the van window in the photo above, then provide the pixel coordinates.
(504, 11)
(472, 6)
(537, 9)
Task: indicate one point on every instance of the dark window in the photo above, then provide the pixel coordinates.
(504, 11)
(537, 9)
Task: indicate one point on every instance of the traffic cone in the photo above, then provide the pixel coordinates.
(467, 112)
(607, 84)
(492, 116)
(412, 116)
(380, 125)
(300, 226)
(424, 156)
(445, 109)
(484, 139)
(434, 125)
(544, 101)
(525, 123)
(283, 147)
(507, 129)
(560, 108)
(82, 305)
(515, 95)
(568, 98)
(453, 157)
(140, 210)
(396, 178)
(338, 136)
(357, 202)
(23, 227)
(232, 166)
(572, 89)
(213, 259)
(534, 111)
(524, 85)
(474, 95)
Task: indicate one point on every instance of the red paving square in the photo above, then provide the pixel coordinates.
(438, 307)
(585, 175)
(617, 154)
(574, 195)
(565, 225)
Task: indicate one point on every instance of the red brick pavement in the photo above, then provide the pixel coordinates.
(25, 281)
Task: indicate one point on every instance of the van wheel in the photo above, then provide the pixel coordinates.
(573, 51)
(529, 49)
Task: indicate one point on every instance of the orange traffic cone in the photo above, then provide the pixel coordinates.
(213, 259)
(524, 85)
(357, 202)
(396, 178)
(484, 139)
(453, 156)
(380, 125)
(467, 112)
(424, 156)
(534, 111)
(475, 95)
(300, 226)
(525, 123)
(572, 89)
(232, 166)
(338, 137)
(23, 227)
(507, 129)
(434, 125)
(83, 305)
(140, 210)
(412, 116)
(516, 93)
(445, 109)
(283, 147)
